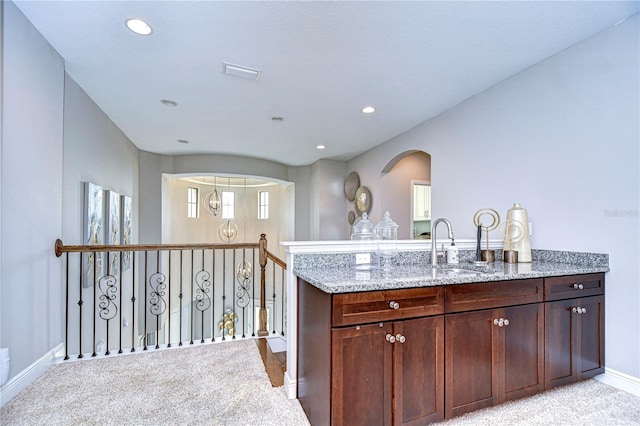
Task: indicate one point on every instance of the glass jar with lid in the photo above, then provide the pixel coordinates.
(364, 230)
(387, 233)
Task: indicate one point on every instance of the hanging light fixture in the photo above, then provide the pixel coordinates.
(228, 230)
(244, 269)
(212, 201)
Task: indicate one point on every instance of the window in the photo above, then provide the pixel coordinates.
(228, 204)
(263, 205)
(192, 202)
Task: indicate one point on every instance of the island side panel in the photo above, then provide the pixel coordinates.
(314, 352)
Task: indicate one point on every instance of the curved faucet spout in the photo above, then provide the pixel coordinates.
(434, 248)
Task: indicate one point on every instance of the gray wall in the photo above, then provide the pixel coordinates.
(562, 138)
(96, 151)
(32, 139)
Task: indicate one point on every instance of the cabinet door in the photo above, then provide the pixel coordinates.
(560, 343)
(361, 375)
(574, 340)
(418, 371)
(470, 366)
(590, 339)
(523, 352)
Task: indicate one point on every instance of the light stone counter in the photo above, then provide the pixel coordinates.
(345, 279)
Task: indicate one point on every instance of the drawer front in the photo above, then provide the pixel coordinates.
(471, 297)
(386, 305)
(572, 286)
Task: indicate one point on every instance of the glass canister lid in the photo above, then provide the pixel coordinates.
(363, 230)
(387, 229)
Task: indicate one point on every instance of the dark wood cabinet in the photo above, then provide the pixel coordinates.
(388, 373)
(417, 356)
(574, 340)
(387, 369)
(493, 356)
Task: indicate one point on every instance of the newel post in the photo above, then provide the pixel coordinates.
(262, 251)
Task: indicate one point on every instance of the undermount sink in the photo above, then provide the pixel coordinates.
(457, 272)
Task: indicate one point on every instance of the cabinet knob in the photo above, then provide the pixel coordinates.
(400, 338)
(394, 305)
(390, 338)
(578, 286)
(506, 322)
(583, 311)
(575, 310)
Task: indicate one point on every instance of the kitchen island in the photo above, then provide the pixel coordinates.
(416, 344)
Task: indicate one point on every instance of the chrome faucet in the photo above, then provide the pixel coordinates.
(434, 248)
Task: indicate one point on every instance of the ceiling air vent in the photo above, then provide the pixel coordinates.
(240, 71)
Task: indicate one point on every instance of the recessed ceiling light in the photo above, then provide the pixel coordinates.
(138, 26)
(320, 147)
(168, 102)
(368, 110)
(183, 141)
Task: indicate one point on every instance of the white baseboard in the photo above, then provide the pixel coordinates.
(20, 381)
(290, 386)
(620, 380)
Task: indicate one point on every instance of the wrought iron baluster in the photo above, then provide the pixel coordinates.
(282, 307)
(107, 284)
(180, 300)
(146, 277)
(80, 303)
(224, 285)
(157, 304)
(253, 296)
(273, 299)
(233, 267)
(95, 280)
(120, 303)
(133, 301)
(191, 300)
(169, 304)
(66, 316)
(213, 295)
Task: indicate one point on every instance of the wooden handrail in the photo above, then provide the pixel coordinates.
(60, 247)
(281, 263)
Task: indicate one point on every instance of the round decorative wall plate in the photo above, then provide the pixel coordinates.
(351, 184)
(363, 200)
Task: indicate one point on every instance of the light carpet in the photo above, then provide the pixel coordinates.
(585, 403)
(214, 384)
(225, 384)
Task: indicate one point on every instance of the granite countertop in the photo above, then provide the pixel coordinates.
(344, 279)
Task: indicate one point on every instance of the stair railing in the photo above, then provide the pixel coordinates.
(123, 297)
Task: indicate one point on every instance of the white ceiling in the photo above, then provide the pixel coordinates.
(321, 62)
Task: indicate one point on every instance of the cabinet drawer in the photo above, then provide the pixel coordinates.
(471, 297)
(386, 305)
(572, 286)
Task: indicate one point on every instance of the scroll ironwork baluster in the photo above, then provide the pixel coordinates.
(107, 284)
(157, 304)
(203, 301)
(146, 275)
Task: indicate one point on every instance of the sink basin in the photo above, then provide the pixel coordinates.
(455, 271)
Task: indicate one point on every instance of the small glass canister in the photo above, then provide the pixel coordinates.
(387, 232)
(364, 231)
